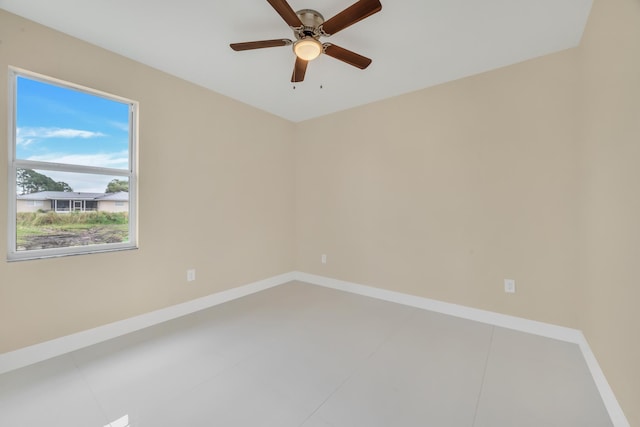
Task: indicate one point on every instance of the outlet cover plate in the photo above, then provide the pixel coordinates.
(510, 286)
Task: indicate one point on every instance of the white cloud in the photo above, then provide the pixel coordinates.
(28, 135)
(24, 141)
(122, 126)
(119, 160)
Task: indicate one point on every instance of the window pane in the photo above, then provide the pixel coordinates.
(62, 125)
(72, 160)
(67, 209)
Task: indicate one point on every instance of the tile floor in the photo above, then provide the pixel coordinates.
(300, 355)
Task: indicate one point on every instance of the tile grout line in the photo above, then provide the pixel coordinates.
(495, 319)
(484, 376)
(357, 369)
(166, 398)
(88, 385)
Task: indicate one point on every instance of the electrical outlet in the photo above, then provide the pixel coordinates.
(324, 258)
(510, 286)
(191, 275)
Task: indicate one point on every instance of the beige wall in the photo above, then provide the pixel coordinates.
(192, 142)
(445, 192)
(611, 195)
(529, 172)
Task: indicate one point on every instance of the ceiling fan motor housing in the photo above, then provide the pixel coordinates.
(311, 20)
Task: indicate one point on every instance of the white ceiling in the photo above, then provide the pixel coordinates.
(413, 43)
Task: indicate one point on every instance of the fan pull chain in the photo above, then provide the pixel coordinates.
(294, 87)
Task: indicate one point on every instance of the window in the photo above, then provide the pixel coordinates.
(72, 161)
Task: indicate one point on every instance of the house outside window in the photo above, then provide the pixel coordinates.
(72, 169)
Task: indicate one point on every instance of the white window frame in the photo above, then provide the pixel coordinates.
(14, 164)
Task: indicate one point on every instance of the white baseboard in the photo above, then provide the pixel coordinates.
(560, 333)
(39, 352)
(59, 346)
(608, 397)
(477, 315)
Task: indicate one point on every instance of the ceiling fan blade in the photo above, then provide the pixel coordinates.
(354, 13)
(285, 11)
(347, 56)
(260, 44)
(299, 70)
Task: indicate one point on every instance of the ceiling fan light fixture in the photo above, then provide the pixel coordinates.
(307, 48)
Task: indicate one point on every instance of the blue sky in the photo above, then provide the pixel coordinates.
(60, 125)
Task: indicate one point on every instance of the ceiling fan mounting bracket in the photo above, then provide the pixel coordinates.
(311, 22)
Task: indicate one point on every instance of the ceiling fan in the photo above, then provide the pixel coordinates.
(308, 26)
